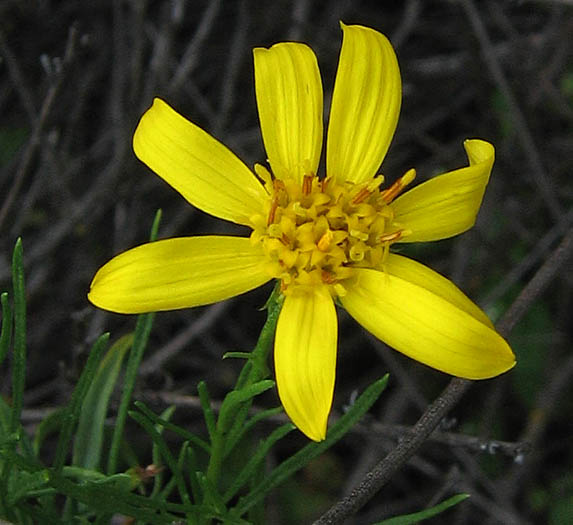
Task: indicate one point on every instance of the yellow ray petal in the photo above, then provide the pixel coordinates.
(178, 273)
(422, 276)
(447, 204)
(289, 99)
(198, 166)
(305, 359)
(365, 105)
(426, 326)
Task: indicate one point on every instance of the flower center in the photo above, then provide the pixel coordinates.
(318, 231)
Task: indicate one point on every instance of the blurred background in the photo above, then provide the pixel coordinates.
(75, 77)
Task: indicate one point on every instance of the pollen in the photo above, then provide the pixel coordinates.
(317, 231)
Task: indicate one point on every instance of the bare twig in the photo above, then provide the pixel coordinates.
(384, 470)
(538, 172)
(20, 85)
(181, 340)
(192, 53)
(34, 140)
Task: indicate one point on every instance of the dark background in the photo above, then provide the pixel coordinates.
(76, 76)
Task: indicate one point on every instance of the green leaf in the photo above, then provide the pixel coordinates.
(140, 338)
(408, 519)
(212, 497)
(237, 355)
(102, 498)
(19, 360)
(5, 412)
(72, 413)
(6, 331)
(90, 432)
(22, 483)
(296, 462)
(234, 399)
(240, 428)
(250, 468)
(208, 413)
(162, 422)
(49, 425)
(165, 454)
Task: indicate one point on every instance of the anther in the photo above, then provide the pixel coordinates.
(307, 184)
(367, 190)
(388, 237)
(362, 195)
(278, 186)
(273, 210)
(393, 191)
(324, 242)
(328, 277)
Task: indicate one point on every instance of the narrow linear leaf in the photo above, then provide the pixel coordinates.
(237, 355)
(48, 426)
(165, 453)
(180, 468)
(234, 399)
(250, 468)
(296, 462)
(5, 415)
(196, 492)
(240, 428)
(212, 497)
(140, 338)
(161, 421)
(73, 409)
(208, 413)
(101, 498)
(155, 225)
(6, 330)
(416, 517)
(156, 455)
(19, 360)
(89, 435)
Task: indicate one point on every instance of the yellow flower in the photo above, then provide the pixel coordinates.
(324, 239)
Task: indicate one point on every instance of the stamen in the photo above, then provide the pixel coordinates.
(328, 277)
(265, 175)
(388, 237)
(393, 191)
(325, 241)
(279, 186)
(367, 190)
(307, 183)
(362, 195)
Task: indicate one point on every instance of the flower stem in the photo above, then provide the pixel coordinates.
(254, 370)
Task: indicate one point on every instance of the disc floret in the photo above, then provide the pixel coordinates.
(316, 231)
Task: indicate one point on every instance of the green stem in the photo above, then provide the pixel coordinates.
(263, 347)
(254, 370)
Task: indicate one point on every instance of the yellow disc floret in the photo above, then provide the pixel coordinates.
(317, 231)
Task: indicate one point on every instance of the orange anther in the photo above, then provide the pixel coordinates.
(325, 241)
(307, 184)
(279, 186)
(328, 277)
(393, 191)
(273, 210)
(391, 236)
(362, 195)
